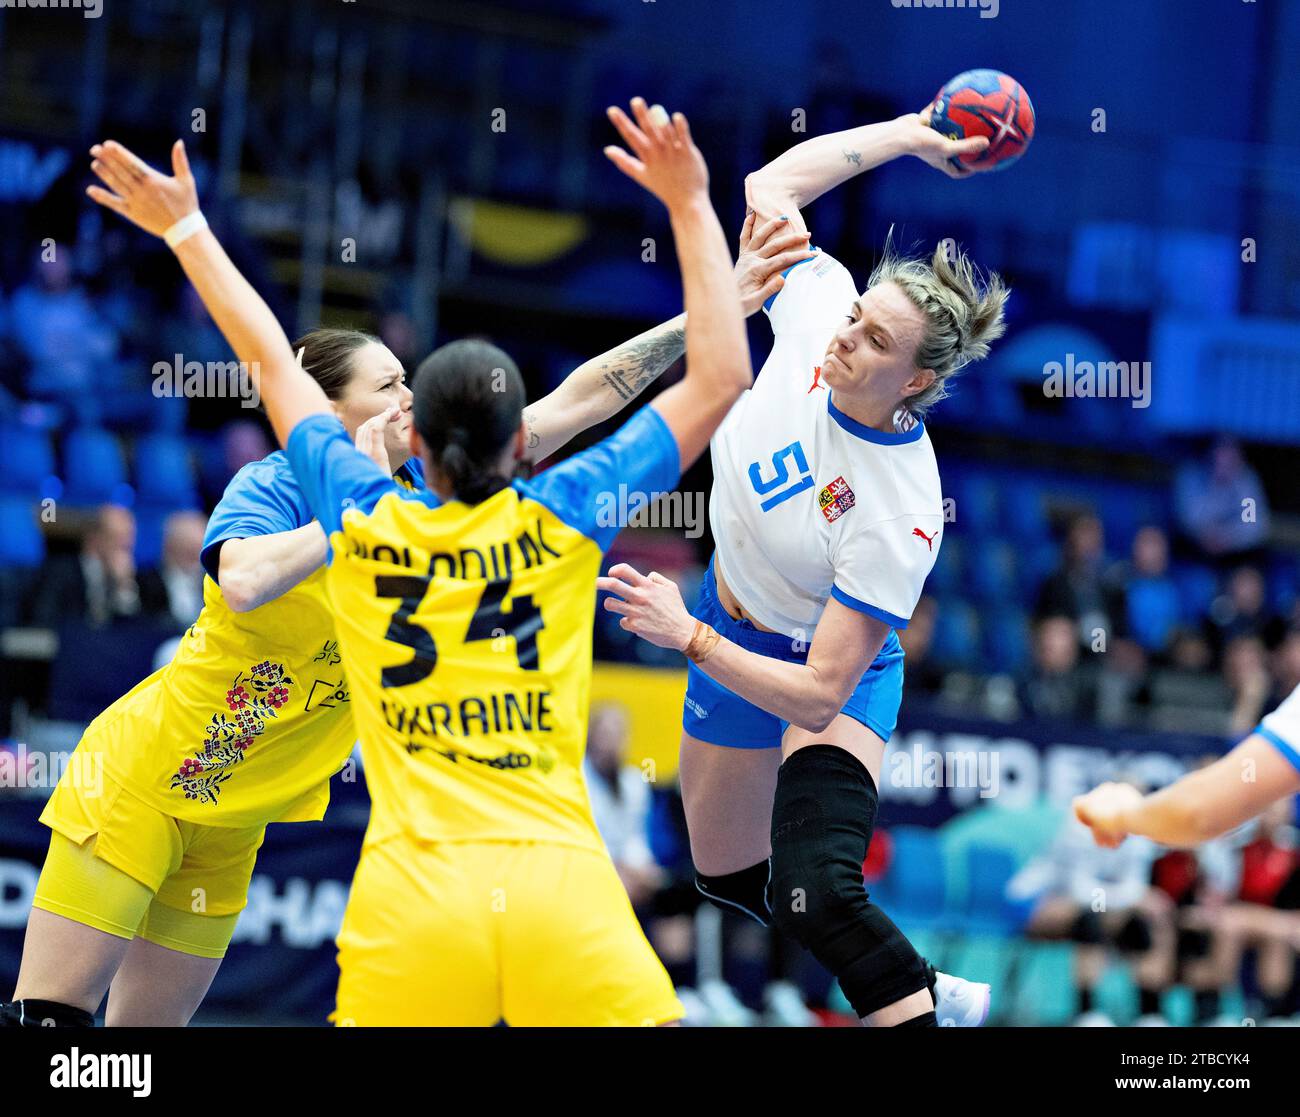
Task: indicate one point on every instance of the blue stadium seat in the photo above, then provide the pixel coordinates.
(1024, 512)
(1036, 563)
(956, 634)
(1197, 586)
(977, 504)
(21, 541)
(946, 577)
(915, 881)
(94, 469)
(988, 869)
(149, 523)
(26, 459)
(991, 571)
(164, 472)
(1006, 641)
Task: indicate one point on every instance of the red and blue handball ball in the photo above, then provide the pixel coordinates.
(985, 103)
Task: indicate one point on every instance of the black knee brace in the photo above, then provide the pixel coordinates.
(746, 891)
(822, 819)
(43, 1014)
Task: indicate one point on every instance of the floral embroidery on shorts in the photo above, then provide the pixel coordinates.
(254, 696)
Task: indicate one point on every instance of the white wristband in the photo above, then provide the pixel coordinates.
(186, 227)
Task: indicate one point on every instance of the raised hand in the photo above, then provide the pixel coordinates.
(765, 253)
(142, 195)
(370, 437)
(938, 150)
(664, 159)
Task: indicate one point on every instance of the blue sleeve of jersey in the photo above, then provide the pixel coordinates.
(333, 474)
(261, 499)
(595, 490)
(1289, 751)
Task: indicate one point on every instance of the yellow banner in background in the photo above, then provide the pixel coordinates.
(516, 236)
(652, 700)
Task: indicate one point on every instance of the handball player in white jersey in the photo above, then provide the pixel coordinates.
(827, 516)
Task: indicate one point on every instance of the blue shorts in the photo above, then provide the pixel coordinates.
(720, 717)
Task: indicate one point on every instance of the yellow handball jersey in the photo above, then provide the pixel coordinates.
(252, 716)
(466, 631)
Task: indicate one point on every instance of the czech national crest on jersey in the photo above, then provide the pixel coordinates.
(835, 499)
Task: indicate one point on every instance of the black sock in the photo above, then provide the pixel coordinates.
(925, 1020)
(1148, 1002)
(1085, 1000)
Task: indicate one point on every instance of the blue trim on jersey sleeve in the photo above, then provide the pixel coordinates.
(588, 490)
(263, 498)
(871, 610)
(870, 434)
(767, 304)
(333, 474)
(1288, 751)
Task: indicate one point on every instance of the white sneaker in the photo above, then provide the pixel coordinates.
(959, 1003)
(725, 1007)
(1151, 1020)
(785, 1007)
(1093, 1020)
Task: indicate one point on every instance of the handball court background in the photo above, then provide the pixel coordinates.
(432, 170)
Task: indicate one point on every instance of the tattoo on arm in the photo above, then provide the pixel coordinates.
(636, 364)
(854, 157)
(532, 438)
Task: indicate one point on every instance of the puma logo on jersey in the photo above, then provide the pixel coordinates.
(817, 378)
(929, 539)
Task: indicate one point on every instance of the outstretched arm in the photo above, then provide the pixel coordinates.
(1200, 806)
(808, 695)
(157, 202)
(666, 162)
(808, 170)
(598, 389)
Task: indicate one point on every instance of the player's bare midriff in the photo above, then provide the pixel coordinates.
(734, 609)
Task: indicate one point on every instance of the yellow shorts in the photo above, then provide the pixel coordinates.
(121, 866)
(469, 933)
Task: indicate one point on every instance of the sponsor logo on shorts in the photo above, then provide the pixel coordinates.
(695, 708)
(835, 499)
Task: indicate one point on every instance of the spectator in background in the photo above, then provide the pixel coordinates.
(174, 591)
(620, 803)
(1056, 686)
(1136, 920)
(1260, 915)
(1286, 667)
(242, 441)
(1221, 506)
(1152, 606)
(99, 584)
(68, 346)
(1079, 589)
(1245, 670)
(1201, 882)
(1241, 610)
